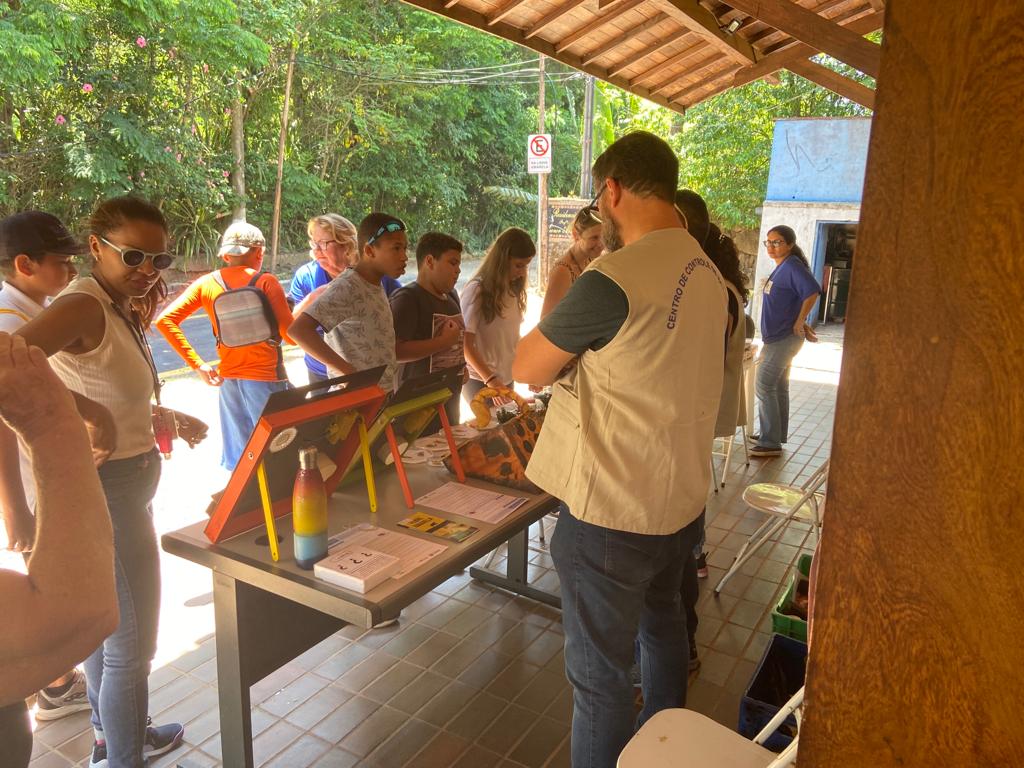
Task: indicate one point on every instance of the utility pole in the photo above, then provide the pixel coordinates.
(282, 140)
(587, 145)
(542, 190)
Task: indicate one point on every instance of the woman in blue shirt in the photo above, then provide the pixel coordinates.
(787, 299)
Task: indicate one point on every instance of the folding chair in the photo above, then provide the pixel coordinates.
(781, 503)
(682, 738)
(728, 443)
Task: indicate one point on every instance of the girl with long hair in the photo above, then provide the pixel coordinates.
(788, 297)
(493, 304)
(95, 335)
(586, 246)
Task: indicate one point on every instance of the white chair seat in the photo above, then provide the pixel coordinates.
(682, 738)
(777, 499)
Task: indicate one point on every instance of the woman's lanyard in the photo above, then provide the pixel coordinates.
(140, 341)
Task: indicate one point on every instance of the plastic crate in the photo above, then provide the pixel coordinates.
(778, 676)
(783, 623)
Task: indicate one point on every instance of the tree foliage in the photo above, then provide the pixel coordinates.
(392, 108)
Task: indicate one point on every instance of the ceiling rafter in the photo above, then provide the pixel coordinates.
(615, 42)
(835, 82)
(668, 63)
(572, 38)
(650, 50)
(550, 18)
(701, 21)
(808, 27)
(502, 12)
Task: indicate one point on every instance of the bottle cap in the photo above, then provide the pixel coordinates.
(307, 458)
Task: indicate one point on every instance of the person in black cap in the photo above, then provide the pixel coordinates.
(37, 261)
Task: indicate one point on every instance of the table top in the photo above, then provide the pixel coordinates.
(244, 559)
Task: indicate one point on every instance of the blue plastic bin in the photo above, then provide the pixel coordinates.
(778, 676)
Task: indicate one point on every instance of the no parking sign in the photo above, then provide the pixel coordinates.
(538, 153)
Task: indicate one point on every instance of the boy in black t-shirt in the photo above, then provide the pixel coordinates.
(428, 317)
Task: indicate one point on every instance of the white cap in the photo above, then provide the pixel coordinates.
(239, 237)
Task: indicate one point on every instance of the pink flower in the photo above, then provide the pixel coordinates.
(140, 41)
(206, 68)
(227, 111)
(195, 129)
(178, 157)
(225, 174)
(86, 87)
(60, 120)
(142, 174)
(167, 149)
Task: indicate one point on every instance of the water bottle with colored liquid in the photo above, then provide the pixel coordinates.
(309, 511)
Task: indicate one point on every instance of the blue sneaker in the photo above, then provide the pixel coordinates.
(161, 738)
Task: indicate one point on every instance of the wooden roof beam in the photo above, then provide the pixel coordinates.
(639, 56)
(615, 42)
(698, 47)
(695, 71)
(552, 17)
(808, 27)
(692, 93)
(502, 12)
(573, 37)
(835, 82)
(703, 22)
(513, 34)
(781, 60)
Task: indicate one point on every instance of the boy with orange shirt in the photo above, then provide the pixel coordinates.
(248, 375)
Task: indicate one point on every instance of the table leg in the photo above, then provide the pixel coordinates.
(257, 633)
(515, 577)
(232, 685)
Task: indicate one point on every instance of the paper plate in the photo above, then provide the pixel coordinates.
(416, 456)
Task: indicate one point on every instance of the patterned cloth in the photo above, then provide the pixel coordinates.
(356, 317)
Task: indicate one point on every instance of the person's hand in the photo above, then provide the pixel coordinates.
(536, 389)
(798, 328)
(21, 530)
(209, 374)
(190, 429)
(32, 399)
(809, 334)
(450, 333)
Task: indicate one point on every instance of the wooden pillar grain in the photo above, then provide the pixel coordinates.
(917, 657)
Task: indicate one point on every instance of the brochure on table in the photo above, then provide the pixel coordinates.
(294, 419)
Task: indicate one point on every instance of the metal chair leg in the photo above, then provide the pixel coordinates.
(714, 474)
(746, 453)
(728, 456)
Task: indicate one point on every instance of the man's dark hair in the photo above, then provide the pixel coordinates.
(368, 228)
(698, 221)
(434, 244)
(642, 163)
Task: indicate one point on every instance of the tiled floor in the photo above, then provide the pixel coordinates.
(473, 677)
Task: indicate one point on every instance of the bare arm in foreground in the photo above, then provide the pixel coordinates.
(66, 605)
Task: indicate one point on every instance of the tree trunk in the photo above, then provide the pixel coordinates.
(238, 150)
(282, 139)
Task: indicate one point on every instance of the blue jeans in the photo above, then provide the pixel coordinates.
(773, 390)
(241, 404)
(613, 584)
(117, 672)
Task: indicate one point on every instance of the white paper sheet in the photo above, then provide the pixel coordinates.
(411, 551)
(475, 503)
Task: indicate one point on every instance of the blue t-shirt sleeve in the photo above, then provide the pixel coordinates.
(803, 282)
(302, 285)
(390, 285)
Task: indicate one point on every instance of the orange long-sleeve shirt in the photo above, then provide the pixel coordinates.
(257, 362)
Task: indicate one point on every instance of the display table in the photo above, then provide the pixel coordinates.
(268, 613)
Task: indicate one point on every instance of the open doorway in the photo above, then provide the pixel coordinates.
(838, 241)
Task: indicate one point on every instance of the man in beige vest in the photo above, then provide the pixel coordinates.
(626, 444)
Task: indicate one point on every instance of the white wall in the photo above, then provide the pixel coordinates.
(804, 219)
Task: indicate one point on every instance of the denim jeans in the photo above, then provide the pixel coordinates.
(117, 672)
(613, 584)
(241, 404)
(15, 735)
(773, 390)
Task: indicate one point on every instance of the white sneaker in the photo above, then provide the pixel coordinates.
(55, 707)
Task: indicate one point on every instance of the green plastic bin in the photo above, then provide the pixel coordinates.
(782, 623)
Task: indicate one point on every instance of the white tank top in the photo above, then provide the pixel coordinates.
(116, 375)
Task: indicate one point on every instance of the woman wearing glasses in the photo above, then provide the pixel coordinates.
(332, 250)
(786, 300)
(94, 333)
(586, 246)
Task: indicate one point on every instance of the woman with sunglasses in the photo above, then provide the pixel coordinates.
(787, 299)
(94, 333)
(493, 303)
(587, 245)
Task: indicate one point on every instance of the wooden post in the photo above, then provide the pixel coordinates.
(281, 141)
(542, 193)
(917, 649)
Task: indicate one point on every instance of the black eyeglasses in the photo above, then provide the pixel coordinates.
(386, 229)
(773, 243)
(133, 257)
(592, 208)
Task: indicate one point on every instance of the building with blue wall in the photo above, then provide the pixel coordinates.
(815, 186)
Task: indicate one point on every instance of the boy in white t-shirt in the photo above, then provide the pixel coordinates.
(37, 261)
